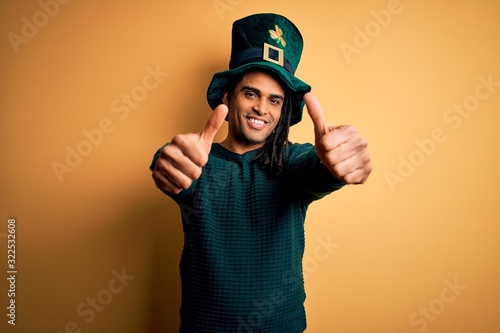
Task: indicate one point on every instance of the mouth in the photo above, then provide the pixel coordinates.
(256, 123)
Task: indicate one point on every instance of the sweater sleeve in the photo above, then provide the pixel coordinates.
(311, 180)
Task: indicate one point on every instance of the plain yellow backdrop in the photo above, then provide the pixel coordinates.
(415, 249)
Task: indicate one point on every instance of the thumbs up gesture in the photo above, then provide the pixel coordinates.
(181, 161)
(341, 149)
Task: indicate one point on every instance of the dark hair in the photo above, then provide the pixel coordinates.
(275, 152)
(273, 157)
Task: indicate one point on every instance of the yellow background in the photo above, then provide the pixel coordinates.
(397, 245)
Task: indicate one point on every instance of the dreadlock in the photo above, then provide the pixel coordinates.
(275, 151)
(273, 157)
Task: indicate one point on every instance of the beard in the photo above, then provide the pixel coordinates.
(245, 136)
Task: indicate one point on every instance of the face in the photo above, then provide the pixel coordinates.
(254, 111)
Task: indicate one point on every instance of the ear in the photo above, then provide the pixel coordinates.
(225, 98)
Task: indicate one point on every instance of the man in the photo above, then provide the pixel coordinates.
(244, 200)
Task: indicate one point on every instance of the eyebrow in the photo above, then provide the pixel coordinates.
(258, 92)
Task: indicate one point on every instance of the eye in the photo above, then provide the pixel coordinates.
(275, 101)
(250, 94)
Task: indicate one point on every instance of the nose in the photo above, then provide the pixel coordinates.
(260, 106)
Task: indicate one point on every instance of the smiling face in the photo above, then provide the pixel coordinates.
(254, 111)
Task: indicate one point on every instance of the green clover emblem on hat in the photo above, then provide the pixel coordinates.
(277, 34)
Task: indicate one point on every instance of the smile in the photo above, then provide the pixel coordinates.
(255, 123)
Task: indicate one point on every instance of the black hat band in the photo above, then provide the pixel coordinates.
(267, 53)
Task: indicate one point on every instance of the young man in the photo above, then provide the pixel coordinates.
(244, 200)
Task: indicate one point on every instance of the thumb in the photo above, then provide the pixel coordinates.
(213, 124)
(316, 113)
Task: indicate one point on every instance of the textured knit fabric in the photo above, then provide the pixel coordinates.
(241, 265)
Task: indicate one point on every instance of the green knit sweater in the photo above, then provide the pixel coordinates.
(241, 265)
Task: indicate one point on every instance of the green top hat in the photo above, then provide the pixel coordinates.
(269, 42)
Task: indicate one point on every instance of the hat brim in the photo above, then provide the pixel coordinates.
(297, 86)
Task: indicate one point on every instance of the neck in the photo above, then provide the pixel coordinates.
(239, 147)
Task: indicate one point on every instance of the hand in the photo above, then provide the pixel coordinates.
(181, 161)
(341, 149)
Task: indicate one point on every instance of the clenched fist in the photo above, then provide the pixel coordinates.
(341, 149)
(181, 161)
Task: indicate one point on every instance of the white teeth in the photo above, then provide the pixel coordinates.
(257, 121)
